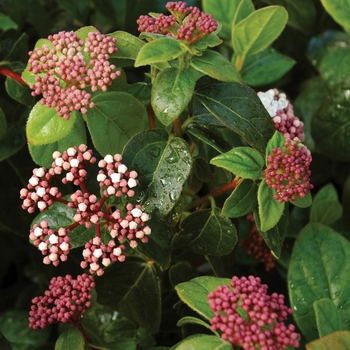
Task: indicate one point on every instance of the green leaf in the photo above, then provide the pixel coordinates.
(6, 23)
(70, 339)
(83, 32)
(330, 127)
(257, 31)
(328, 319)
(12, 142)
(142, 91)
(42, 154)
(265, 67)
(4, 343)
(216, 66)
(337, 340)
(236, 107)
(194, 293)
(318, 269)
(242, 200)
(163, 164)
(276, 141)
(203, 342)
(78, 9)
(160, 50)
(116, 117)
(172, 90)
(81, 235)
(138, 297)
(199, 46)
(206, 232)
(270, 210)
(45, 126)
(326, 208)
(3, 124)
(340, 12)
(244, 162)
(181, 272)
(193, 320)
(302, 202)
(19, 92)
(244, 9)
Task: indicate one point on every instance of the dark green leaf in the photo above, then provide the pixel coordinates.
(340, 11)
(142, 91)
(106, 8)
(242, 200)
(19, 92)
(210, 40)
(12, 142)
(3, 124)
(193, 320)
(244, 162)
(330, 126)
(181, 272)
(195, 293)
(235, 106)
(133, 289)
(116, 117)
(19, 51)
(78, 9)
(163, 164)
(81, 235)
(119, 329)
(172, 90)
(216, 66)
(337, 340)
(318, 269)
(270, 210)
(4, 343)
(160, 50)
(206, 232)
(6, 23)
(222, 265)
(70, 339)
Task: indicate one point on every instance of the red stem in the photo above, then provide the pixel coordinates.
(12, 75)
(151, 120)
(63, 201)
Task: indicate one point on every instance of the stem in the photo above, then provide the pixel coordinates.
(60, 200)
(184, 61)
(215, 192)
(177, 127)
(151, 120)
(12, 75)
(83, 187)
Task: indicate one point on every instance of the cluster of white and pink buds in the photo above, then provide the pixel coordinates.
(65, 301)
(282, 114)
(251, 319)
(113, 212)
(67, 65)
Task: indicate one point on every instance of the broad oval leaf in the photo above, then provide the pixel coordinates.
(203, 342)
(338, 340)
(319, 268)
(44, 126)
(163, 164)
(160, 50)
(116, 117)
(236, 107)
(206, 232)
(276, 141)
(194, 293)
(193, 320)
(70, 339)
(172, 90)
(340, 11)
(132, 288)
(19, 92)
(245, 162)
(244, 9)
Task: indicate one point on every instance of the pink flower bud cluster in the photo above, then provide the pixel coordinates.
(68, 65)
(65, 301)
(53, 244)
(288, 171)
(249, 318)
(185, 23)
(124, 224)
(256, 245)
(282, 114)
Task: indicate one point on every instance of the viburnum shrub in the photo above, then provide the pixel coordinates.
(176, 165)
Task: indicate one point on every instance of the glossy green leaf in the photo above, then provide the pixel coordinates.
(19, 92)
(45, 126)
(160, 50)
(244, 162)
(81, 235)
(116, 117)
(133, 289)
(206, 232)
(119, 329)
(265, 67)
(236, 107)
(70, 339)
(203, 342)
(328, 319)
(337, 340)
(42, 154)
(163, 164)
(244, 9)
(302, 202)
(340, 11)
(199, 46)
(3, 124)
(270, 210)
(276, 141)
(12, 142)
(242, 200)
(172, 90)
(193, 320)
(257, 31)
(194, 293)
(334, 66)
(142, 91)
(83, 32)
(78, 9)
(326, 208)
(216, 66)
(318, 269)
(330, 126)
(7, 23)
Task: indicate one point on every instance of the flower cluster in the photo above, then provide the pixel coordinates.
(121, 220)
(282, 114)
(256, 245)
(185, 23)
(65, 301)
(288, 171)
(66, 65)
(250, 318)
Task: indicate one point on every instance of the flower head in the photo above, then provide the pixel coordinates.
(249, 318)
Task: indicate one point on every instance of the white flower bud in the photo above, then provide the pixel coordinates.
(42, 246)
(115, 177)
(94, 266)
(132, 225)
(106, 261)
(101, 177)
(41, 191)
(97, 253)
(136, 213)
(53, 256)
(53, 239)
(34, 181)
(64, 246)
(132, 183)
(108, 158)
(74, 163)
(71, 151)
(122, 168)
(38, 231)
(117, 251)
(82, 206)
(40, 172)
